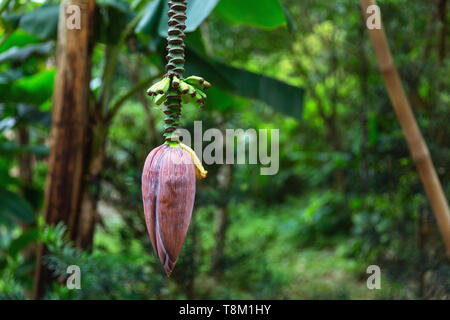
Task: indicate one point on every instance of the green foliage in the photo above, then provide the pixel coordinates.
(112, 17)
(347, 194)
(18, 38)
(279, 95)
(34, 89)
(104, 275)
(197, 11)
(282, 97)
(41, 22)
(16, 54)
(266, 14)
(14, 208)
(150, 20)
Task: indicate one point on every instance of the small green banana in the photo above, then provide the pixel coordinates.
(184, 88)
(175, 82)
(198, 82)
(184, 92)
(202, 97)
(160, 87)
(188, 92)
(160, 98)
(154, 89)
(190, 89)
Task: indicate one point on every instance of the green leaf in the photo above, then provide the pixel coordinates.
(18, 38)
(267, 14)
(41, 22)
(12, 148)
(150, 21)
(32, 115)
(111, 19)
(155, 19)
(197, 11)
(195, 40)
(197, 64)
(279, 95)
(120, 5)
(9, 76)
(291, 24)
(14, 208)
(10, 21)
(23, 241)
(34, 89)
(219, 99)
(17, 54)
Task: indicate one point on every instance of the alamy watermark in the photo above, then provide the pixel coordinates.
(374, 19)
(374, 280)
(73, 17)
(235, 146)
(74, 280)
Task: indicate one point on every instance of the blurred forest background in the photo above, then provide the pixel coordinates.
(347, 194)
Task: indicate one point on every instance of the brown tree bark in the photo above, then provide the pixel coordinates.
(25, 158)
(95, 156)
(69, 123)
(416, 143)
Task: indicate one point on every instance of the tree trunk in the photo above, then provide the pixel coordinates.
(69, 123)
(88, 217)
(25, 158)
(416, 143)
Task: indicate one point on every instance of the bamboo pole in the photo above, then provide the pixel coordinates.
(414, 138)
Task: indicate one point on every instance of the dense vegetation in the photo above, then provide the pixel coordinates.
(347, 194)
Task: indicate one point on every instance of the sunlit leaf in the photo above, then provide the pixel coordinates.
(266, 14)
(155, 19)
(196, 12)
(18, 38)
(34, 89)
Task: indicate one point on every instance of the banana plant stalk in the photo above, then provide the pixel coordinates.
(170, 170)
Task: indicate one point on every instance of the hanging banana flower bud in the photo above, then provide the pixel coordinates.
(168, 191)
(170, 170)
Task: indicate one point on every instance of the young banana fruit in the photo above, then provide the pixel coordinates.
(191, 89)
(159, 90)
